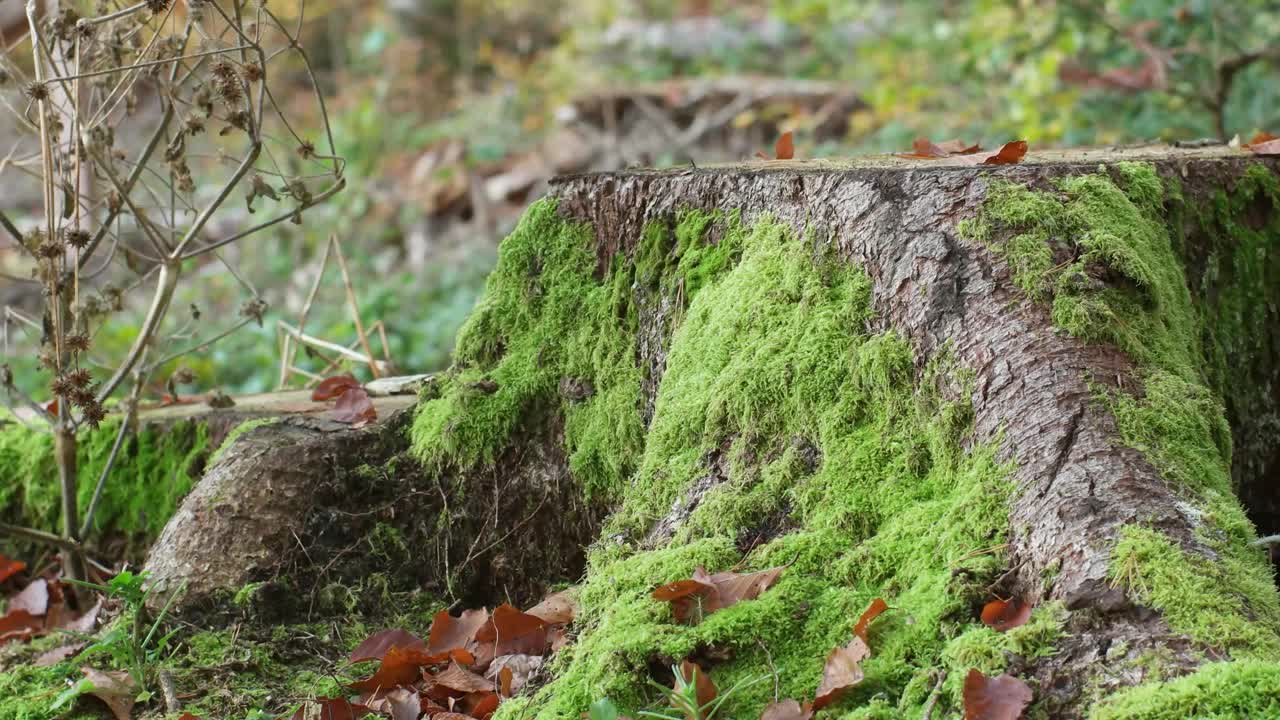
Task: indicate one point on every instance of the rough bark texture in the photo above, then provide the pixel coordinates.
(1078, 484)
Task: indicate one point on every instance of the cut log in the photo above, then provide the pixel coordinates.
(932, 382)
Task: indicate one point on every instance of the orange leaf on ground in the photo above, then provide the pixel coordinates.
(355, 407)
(785, 148)
(116, 688)
(333, 709)
(9, 568)
(400, 667)
(1260, 138)
(333, 387)
(787, 710)
(511, 632)
(842, 671)
(958, 147)
(998, 698)
(480, 704)
(399, 704)
(19, 625)
(375, 646)
(925, 149)
(704, 689)
(873, 611)
(1005, 615)
(454, 633)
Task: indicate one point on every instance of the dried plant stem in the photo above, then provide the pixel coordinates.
(355, 306)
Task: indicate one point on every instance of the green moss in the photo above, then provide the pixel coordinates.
(1217, 691)
(155, 470)
(1226, 604)
(853, 473)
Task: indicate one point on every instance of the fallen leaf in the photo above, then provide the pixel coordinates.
(19, 625)
(520, 667)
(710, 593)
(787, 710)
(58, 654)
(332, 709)
(925, 149)
(9, 568)
(1262, 137)
(355, 407)
(400, 667)
(115, 688)
(704, 689)
(375, 646)
(998, 698)
(1008, 154)
(556, 609)
(188, 716)
(333, 387)
(457, 681)
(449, 633)
(479, 704)
(958, 147)
(785, 148)
(34, 598)
(873, 611)
(1270, 147)
(1003, 615)
(842, 671)
(512, 632)
(399, 704)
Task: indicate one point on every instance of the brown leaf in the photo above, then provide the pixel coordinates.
(873, 611)
(519, 668)
(1260, 138)
(333, 709)
(1008, 154)
(188, 716)
(704, 689)
(19, 625)
(34, 598)
(787, 710)
(998, 698)
(785, 148)
(355, 407)
(400, 704)
(925, 149)
(511, 632)
(506, 678)
(556, 609)
(9, 568)
(456, 681)
(376, 645)
(1270, 147)
(400, 667)
(115, 688)
(958, 147)
(479, 704)
(714, 592)
(334, 387)
(1005, 615)
(842, 671)
(449, 633)
(58, 654)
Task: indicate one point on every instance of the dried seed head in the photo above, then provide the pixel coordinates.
(253, 72)
(194, 125)
(37, 91)
(82, 397)
(46, 360)
(307, 150)
(4, 77)
(62, 386)
(183, 376)
(158, 6)
(255, 309)
(50, 250)
(80, 377)
(94, 414)
(79, 342)
(79, 238)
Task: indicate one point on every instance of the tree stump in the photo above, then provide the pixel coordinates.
(936, 383)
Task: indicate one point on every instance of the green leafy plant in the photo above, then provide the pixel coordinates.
(687, 697)
(133, 643)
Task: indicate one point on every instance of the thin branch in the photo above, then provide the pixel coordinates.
(87, 523)
(40, 536)
(334, 190)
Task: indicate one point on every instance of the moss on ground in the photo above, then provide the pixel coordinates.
(1106, 250)
(155, 470)
(1216, 691)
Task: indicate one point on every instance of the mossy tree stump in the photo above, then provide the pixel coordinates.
(923, 381)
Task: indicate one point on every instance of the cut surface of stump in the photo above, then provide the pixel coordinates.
(921, 381)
